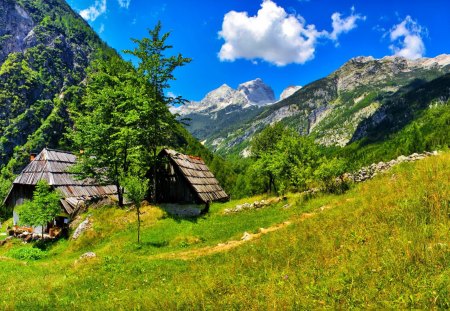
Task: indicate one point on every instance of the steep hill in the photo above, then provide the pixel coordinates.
(44, 52)
(364, 97)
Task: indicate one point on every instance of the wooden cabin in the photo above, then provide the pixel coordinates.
(53, 166)
(185, 179)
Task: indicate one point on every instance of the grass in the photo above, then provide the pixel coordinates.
(383, 244)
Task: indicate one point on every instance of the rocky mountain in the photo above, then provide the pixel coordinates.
(257, 92)
(45, 48)
(289, 91)
(248, 94)
(363, 99)
(226, 106)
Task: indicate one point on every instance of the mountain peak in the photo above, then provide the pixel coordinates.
(289, 91)
(257, 92)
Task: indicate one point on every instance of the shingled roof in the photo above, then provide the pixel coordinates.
(52, 166)
(197, 175)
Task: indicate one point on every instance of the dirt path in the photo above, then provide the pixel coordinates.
(223, 247)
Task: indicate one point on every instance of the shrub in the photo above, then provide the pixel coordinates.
(28, 253)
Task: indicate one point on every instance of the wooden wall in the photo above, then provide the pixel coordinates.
(19, 194)
(172, 187)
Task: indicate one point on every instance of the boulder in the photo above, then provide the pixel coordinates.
(88, 255)
(83, 226)
(247, 236)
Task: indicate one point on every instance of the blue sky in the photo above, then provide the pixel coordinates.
(284, 42)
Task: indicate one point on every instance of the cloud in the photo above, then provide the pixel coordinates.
(124, 3)
(275, 36)
(343, 25)
(101, 29)
(407, 39)
(94, 11)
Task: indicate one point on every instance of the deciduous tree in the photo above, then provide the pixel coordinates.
(42, 209)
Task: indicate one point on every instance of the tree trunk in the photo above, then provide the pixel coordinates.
(138, 211)
(154, 176)
(119, 194)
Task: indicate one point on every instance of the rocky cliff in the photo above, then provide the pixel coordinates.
(44, 52)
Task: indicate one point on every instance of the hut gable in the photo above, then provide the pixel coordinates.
(53, 166)
(187, 178)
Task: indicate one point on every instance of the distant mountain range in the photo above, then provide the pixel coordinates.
(225, 107)
(363, 98)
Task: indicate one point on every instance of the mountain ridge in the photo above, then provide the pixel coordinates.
(330, 109)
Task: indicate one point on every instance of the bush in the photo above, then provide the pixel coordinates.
(28, 253)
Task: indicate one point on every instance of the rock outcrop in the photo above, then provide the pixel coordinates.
(257, 92)
(82, 227)
(289, 91)
(374, 169)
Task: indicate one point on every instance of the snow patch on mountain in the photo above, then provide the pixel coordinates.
(251, 93)
(257, 92)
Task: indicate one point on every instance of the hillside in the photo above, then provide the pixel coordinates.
(364, 97)
(44, 52)
(383, 244)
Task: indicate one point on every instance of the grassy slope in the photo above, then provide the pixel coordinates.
(385, 243)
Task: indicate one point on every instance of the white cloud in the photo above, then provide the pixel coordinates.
(101, 29)
(343, 25)
(275, 36)
(124, 3)
(94, 11)
(407, 38)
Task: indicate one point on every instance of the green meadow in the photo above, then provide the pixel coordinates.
(385, 243)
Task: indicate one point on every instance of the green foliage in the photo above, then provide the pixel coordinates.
(105, 126)
(6, 179)
(327, 174)
(285, 161)
(124, 117)
(429, 131)
(26, 253)
(155, 122)
(42, 209)
(136, 189)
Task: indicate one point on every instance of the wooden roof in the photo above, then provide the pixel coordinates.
(198, 176)
(52, 166)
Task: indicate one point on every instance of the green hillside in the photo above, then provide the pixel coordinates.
(383, 244)
(40, 74)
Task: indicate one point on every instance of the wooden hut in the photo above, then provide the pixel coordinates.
(53, 166)
(185, 179)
